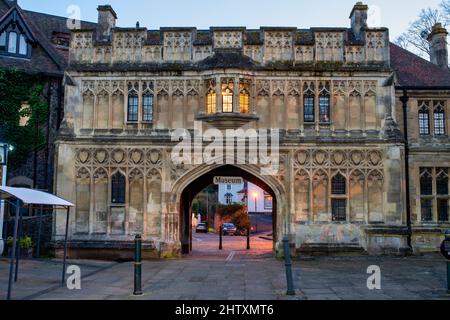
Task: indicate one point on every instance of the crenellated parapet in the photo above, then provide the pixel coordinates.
(266, 46)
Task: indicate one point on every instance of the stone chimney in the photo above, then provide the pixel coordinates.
(106, 22)
(438, 46)
(358, 18)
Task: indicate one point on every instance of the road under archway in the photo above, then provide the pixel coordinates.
(200, 183)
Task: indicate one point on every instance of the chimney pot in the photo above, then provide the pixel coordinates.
(438, 46)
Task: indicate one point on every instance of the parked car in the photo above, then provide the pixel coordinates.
(201, 228)
(229, 229)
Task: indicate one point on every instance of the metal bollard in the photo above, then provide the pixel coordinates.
(220, 238)
(248, 238)
(138, 266)
(288, 265)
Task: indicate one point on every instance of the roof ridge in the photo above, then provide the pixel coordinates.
(419, 57)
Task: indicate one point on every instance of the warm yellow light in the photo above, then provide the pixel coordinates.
(255, 195)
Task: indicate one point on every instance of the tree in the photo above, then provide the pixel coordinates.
(415, 38)
(20, 96)
(237, 214)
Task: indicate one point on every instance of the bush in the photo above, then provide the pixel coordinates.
(237, 214)
(25, 243)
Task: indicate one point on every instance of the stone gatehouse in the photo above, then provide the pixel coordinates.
(336, 95)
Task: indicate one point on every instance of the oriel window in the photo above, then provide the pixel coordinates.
(227, 99)
(211, 99)
(244, 101)
(118, 188)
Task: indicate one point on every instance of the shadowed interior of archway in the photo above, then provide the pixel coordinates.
(196, 186)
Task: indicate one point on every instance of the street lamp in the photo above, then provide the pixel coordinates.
(4, 148)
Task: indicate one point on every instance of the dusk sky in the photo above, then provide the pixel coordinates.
(396, 15)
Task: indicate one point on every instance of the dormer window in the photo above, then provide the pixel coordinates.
(15, 36)
(12, 43)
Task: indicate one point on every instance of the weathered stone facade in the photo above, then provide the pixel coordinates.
(329, 90)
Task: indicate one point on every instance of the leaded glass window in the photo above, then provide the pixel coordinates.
(147, 107)
(211, 100)
(338, 185)
(339, 210)
(439, 121)
(426, 182)
(244, 101)
(118, 188)
(424, 121)
(427, 210)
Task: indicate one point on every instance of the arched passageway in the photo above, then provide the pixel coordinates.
(203, 181)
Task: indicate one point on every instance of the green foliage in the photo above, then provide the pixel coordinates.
(17, 88)
(25, 243)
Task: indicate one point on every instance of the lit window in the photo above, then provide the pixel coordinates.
(211, 100)
(12, 46)
(424, 122)
(227, 98)
(147, 107)
(324, 108)
(268, 202)
(439, 122)
(118, 188)
(308, 107)
(22, 45)
(133, 107)
(244, 101)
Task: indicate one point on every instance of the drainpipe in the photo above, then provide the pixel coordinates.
(405, 99)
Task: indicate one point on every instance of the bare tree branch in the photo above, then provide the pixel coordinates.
(415, 38)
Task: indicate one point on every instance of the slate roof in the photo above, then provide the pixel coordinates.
(47, 57)
(413, 71)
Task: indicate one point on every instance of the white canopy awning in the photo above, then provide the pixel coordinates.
(32, 197)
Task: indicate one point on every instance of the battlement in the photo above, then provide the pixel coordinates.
(358, 45)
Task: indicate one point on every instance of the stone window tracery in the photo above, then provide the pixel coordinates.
(439, 119)
(118, 187)
(211, 100)
(133, 104)
(244, 98)
(424, 119)
(227, 97)
(324, 102)
(308, 103)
